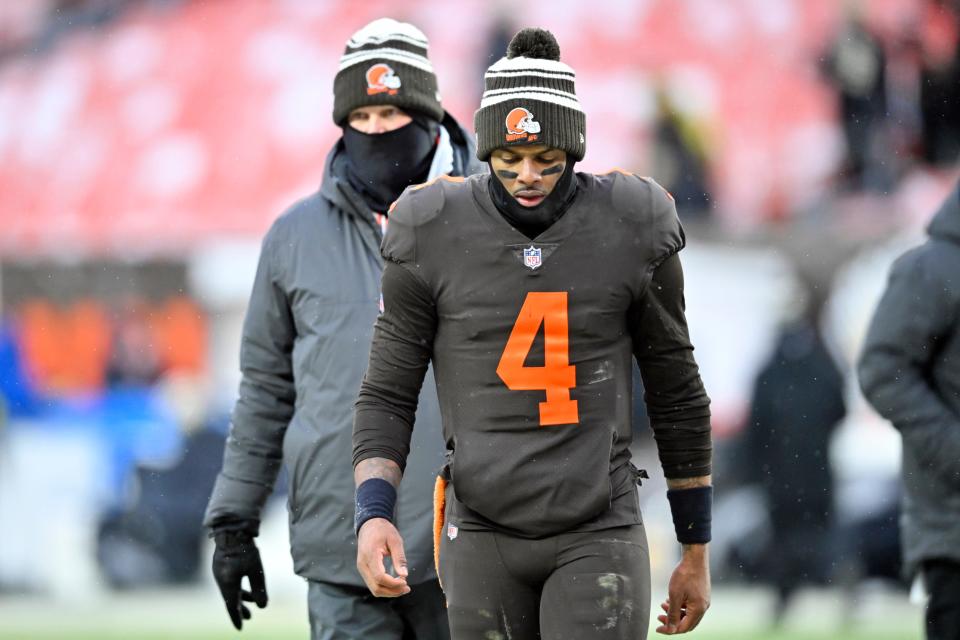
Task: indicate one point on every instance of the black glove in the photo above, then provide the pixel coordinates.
(237, 556)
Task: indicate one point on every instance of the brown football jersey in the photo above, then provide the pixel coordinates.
(531, 343)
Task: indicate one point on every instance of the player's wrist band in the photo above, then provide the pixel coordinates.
(691, 509)
(376, 498)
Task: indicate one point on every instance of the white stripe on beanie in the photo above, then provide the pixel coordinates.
(539, 74)
(385, 29)
(532, 65)
(489, 93)
(397, 55)
(532, 69)
(531, 93)
(393, 37)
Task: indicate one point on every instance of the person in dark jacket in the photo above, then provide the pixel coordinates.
(910, 373)
(797, 402)
(305, 344)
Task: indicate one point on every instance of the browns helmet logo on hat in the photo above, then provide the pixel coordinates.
(382, 79)
(521, 125)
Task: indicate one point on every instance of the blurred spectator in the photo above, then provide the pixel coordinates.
(20, 21)
(904, 120)
(36, 26)
(157, 538)
(797, 402)
(79, 348)
(680, 158)
(69, 15)
(910, 373)
(19, 395)
(868, 546)
(134, 360)
(856, 65)
(940, 84)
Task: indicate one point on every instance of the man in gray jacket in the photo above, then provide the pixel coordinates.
(910, 372)
(306, 342)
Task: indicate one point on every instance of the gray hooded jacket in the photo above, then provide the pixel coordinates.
(306, 343)
(910, 372)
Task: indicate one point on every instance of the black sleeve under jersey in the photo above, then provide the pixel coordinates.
(399, 356)
(677, 403)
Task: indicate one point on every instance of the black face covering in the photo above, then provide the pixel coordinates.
(380, 166)
(532, 221)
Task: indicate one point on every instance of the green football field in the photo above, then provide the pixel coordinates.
(697, 635)
(197, 614)
(290, 634)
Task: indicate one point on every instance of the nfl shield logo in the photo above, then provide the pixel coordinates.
(532, 257)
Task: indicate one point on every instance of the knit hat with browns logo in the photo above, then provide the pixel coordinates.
(386, 62)
(530, 98)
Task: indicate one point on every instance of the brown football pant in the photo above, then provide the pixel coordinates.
(569, 586)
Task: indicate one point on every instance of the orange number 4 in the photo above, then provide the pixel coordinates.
(557, 376)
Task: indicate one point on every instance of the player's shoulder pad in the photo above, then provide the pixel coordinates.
(637, 195)
(416, 207)
(649, 205)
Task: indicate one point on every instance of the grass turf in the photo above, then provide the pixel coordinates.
(199, 615)
(253, 634)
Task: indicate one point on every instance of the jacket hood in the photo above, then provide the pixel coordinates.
(946, 223)
(338, 191)
(335, 186)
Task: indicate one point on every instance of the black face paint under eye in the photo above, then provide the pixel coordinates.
(507, 175)
(549, 171)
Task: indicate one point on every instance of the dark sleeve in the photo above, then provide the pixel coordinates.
(676, 401)
(399, 356)
(835, 402)
(755, 437)
(912, 320)
(254, 448)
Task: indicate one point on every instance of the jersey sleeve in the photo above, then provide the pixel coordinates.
(652, 208)
(667, 237)
(399, 356)
(676, 400)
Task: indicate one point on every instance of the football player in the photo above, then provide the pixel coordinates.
(530, 290)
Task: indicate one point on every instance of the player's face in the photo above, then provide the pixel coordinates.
(529, 173)
(378, 119)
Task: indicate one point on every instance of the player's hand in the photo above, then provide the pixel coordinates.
(689, 592)
(377, 539)
(237, 556)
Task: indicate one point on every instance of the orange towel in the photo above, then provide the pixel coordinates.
(439, 504)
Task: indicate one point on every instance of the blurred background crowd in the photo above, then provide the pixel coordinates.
(147, 145)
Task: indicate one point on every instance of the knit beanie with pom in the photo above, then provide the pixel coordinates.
(386, 62)
(530, 98)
